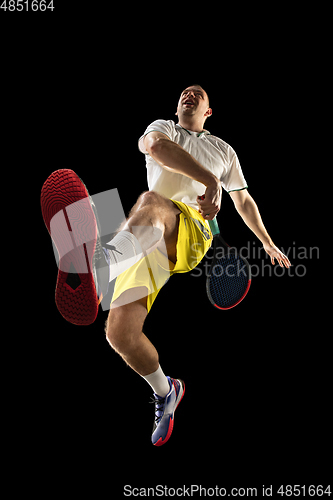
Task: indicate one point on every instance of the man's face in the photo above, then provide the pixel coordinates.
(193, 100)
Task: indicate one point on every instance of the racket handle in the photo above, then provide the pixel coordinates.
(214, 227)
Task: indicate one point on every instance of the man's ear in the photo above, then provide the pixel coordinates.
(209, 112)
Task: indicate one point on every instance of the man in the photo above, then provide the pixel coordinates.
(167, 232)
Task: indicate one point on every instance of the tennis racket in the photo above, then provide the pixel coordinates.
(229, 277)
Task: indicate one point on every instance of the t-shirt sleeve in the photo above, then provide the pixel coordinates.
(233, 179)
(164, 126)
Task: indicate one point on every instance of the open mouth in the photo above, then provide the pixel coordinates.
(189, 103)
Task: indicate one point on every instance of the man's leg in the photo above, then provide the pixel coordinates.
(124, 325)
(125, 322)
(124, 334)
(153, 223)
(154, 211)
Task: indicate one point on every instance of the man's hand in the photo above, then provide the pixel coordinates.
(248, 210)
(275, 253)
(210, 202)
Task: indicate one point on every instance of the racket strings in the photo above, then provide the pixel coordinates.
(228, 280)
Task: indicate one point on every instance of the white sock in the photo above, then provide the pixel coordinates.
(125, 253)
(158, 382)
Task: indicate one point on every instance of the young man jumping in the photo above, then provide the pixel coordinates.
(167, 232)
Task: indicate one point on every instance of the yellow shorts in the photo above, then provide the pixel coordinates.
(153, 271)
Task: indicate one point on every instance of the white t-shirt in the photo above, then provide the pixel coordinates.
(213, 154)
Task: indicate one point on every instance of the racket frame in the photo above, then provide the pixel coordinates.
(218, 241)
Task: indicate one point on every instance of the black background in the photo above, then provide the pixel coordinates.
(78, 94)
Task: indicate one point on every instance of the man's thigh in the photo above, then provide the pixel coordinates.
(165, 214)
(128, 312)
(170, 216)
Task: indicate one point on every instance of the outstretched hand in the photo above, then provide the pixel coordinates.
(275, 253)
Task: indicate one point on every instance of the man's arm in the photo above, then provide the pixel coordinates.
(248, 210)
(173, 157)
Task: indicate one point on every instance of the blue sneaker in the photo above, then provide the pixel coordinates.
(165, 410)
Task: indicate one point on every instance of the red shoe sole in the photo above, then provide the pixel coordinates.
(73, 230)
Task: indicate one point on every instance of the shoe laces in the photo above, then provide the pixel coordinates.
(159, 404)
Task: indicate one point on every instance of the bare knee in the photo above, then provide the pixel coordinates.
(150, 198)
(115, 331)
(112, 330)
(124, 324)
(147, 220)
